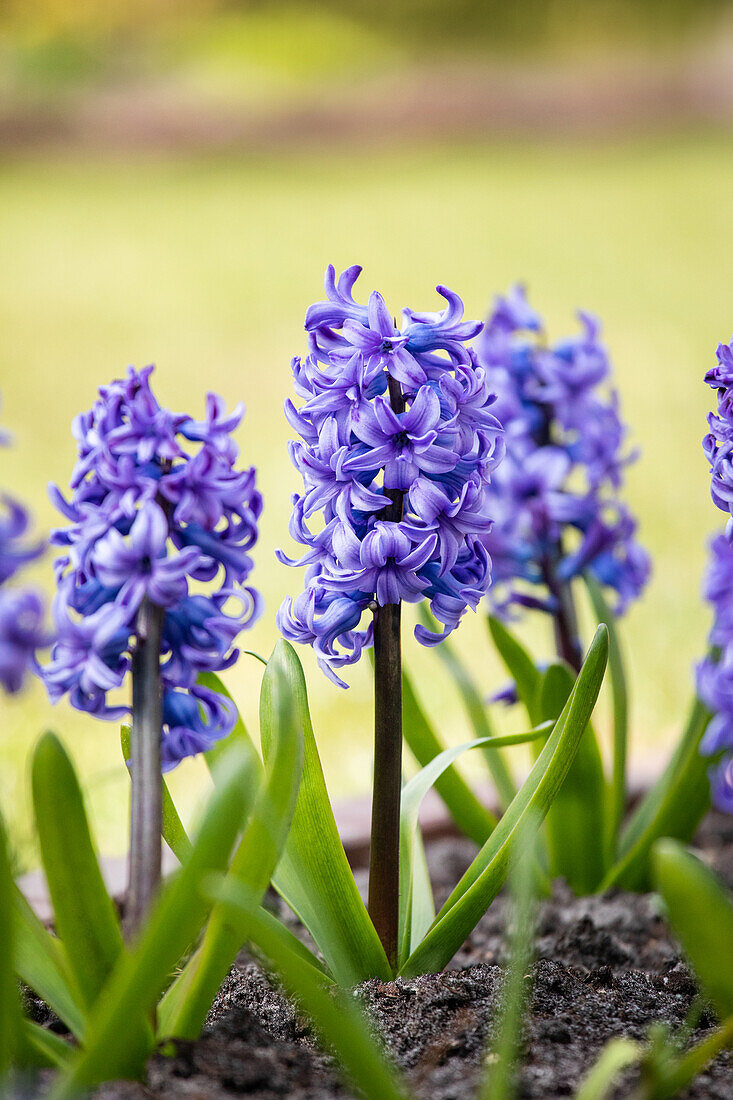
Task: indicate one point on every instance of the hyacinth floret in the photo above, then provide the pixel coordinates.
(158, 511)
(555, 498)
(398, 442)
(22, 630)
(715, 672)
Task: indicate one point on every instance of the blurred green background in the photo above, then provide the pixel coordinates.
(175, 178)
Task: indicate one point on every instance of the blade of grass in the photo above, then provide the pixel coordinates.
(85, 915)
(674, 807)
(498, 1083)
(686, 1069)
(313, 875)
(173, 832)
(485, 877)
(471, 817)
(475, 708)
(337, 1020)
(185, 1006)
(112, 1048)
(620, 699)
(701, 914)
(616, 1056)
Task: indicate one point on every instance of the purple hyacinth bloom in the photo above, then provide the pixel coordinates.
(150, 515)
(715, 672)
(555, 497)
(398, 443)
(22, 629)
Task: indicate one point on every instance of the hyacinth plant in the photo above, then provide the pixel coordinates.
(152, 583)
(398, 446)
(560, 518)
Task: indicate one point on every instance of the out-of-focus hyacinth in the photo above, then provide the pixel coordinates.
(159, 510)
(21, 610)
(555, 497)
(715, 672)
(398, 444)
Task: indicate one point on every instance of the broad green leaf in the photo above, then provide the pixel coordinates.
(498, 1081)
(485, 877)
(519, 665)
(10, 1011)
(313, 875)
(85, 916)
(616, 1056)
(620, 698)
(673, 807)
(336, 1017)
(172, 831)
(43, 966)
(44, 1048)
(411, 800)
(470, 815)
(112, 1047)
(238, 736)
(575, 825)
(701, 913)
(475, 708)
(184, 1009)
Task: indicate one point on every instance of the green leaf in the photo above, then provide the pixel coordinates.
(519, 665)
(10, 1011)
(238, 736)
(85, 916)
(475, 708)
(576, 820)
(616, 1056)
(498, 1080)
(313, 875)
(701, 914)
(674, 807)
(411, 800)
(114, 1046)
(173, 831)
(187, 1003)
(685, 1069)
(337, 1020)
(43, 966)
(470, 815)
(620, 698)
(485, 877)
(44, 1048)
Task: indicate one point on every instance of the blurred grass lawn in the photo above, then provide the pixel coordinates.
(206, 266)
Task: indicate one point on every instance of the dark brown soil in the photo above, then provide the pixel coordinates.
(605, 967)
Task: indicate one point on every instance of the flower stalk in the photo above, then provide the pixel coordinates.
(384, 850)
(146, 805)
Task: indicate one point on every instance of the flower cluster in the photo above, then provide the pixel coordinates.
(158, 511)
(715, 672)
(555, 498)
(21, 610)
(398, 444)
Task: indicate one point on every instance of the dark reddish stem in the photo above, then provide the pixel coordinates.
(384, 855)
